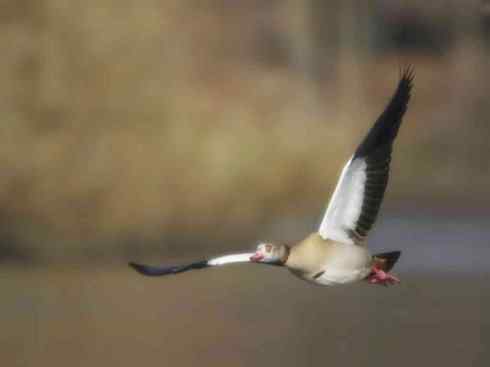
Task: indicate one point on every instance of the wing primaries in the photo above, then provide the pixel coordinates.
(357, 198)
(149, 270)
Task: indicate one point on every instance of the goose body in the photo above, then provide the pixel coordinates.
(337, 253)
(327, 262)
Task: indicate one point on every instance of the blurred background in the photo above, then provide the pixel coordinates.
(165, 131)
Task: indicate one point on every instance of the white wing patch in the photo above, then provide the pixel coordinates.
(345, 206)
(230, 259)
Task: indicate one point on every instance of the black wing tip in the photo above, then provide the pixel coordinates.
(152, 271)
(407, 76)
(144, 269)
(384, 131)
(159, 271)
(407, 72)
(135, 266)
(405, 84)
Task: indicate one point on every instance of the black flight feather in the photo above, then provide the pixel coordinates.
(381, 136)
(375, 150)
(166, 270)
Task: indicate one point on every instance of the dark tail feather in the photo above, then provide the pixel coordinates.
(166, 270)
(387, 260)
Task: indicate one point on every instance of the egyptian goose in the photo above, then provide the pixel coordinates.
(337, 253)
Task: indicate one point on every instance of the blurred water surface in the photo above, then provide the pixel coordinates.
(253, 315)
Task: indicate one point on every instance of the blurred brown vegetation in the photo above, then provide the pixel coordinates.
(136, 126)
(172, 129)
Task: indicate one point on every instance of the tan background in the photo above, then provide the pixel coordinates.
(165, 131)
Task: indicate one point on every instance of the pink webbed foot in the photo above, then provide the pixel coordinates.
(380, 277)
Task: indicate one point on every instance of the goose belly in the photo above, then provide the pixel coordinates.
(333, 276)
(344, 264)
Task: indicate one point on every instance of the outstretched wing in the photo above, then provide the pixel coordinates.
(167, 270)
(357, 198)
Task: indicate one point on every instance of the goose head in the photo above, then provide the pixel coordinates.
(269, 253)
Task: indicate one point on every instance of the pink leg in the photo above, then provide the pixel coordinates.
(380, 277)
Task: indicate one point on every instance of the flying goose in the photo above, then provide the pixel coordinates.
(337, 252)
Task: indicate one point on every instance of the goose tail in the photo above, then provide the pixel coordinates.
(386, 260)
